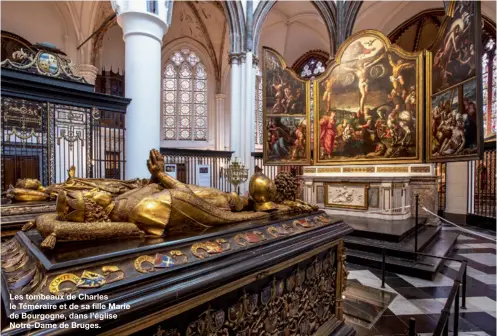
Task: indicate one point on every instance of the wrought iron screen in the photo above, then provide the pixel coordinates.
(483, 187)
(25, 144)
(43, 140)
(187, 161)
(440, 170)
(272, 171)
(108, 145)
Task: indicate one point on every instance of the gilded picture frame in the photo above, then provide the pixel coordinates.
(391, 54)
(287, 127)
(443, 144)
(346, 197)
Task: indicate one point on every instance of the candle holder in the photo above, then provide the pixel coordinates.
(236, 174)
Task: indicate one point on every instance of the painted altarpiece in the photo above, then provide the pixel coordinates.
(286, 113)
(369, 104)
(453, 86)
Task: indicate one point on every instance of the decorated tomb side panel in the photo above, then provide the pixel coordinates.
(297, 300)
(286, 113)
(454, 123)
(369, 104)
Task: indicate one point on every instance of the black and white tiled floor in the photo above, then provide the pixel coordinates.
(424, 299)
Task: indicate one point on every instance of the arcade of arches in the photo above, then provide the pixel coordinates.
(193, 71)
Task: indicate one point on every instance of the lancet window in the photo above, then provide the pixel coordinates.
(258, 109)
(184, 97)
(489, 81)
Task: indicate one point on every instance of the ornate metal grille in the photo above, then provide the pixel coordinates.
(108, 145)
(272, 171)
(440, 170)
(482, 202)
(186, 161)
(25, 146)
(43, 140)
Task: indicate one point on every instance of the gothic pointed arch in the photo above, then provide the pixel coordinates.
(326, 9)
(236, 24)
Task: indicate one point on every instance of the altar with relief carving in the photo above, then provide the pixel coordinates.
(373, 191)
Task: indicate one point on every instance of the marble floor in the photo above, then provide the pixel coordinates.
(424, 299)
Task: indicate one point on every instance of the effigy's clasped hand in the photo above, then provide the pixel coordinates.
(103, 208)
(155, 163)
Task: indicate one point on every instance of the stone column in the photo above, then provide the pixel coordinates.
(220, 124)
(249, 115)
(456, 191)
(143, 32)
(88, 72)
(235, 102)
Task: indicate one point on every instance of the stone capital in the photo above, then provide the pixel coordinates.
(141, 23)
(234, 58)
(220, 96)
(87, 71)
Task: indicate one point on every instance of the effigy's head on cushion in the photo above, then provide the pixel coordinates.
(28, 183)
(84, 206)
(262, 191)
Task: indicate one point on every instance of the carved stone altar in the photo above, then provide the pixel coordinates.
(285, 275)
(385, 192)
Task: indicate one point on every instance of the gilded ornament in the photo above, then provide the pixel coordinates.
(251, 237)
(9, 247)
(251, 302)
(393, 169)
(277, 231)
(32, 284)
(13, 260)
(329, 170)
(323, 219)
(57, 281)
(91, 280)
(303, 223)
(112, 274)
(204, 249)
(18, 265)
(22, 279)
(235, 312)
(290, 306)
(266, 295)
(290, 282)
(420, 169)
(142, 259)
(309, 170)
(358, 169)
(175, 257)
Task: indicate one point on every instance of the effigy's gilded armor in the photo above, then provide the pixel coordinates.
(160, 206)
(29, 189)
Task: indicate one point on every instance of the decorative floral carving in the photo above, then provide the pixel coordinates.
(296, 305)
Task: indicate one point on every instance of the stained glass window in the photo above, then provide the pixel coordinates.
(489, 92)
(258, 108)
(484, 67)
(311, 102)
(311, 68)
(184, 97)
(494, 94)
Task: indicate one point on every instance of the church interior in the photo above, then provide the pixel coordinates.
(248, 167)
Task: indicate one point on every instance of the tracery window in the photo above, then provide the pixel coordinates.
(258, 108)
(312, 68)
(184, 97)
(489, 81)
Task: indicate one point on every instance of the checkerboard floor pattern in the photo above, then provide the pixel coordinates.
(424, 299)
